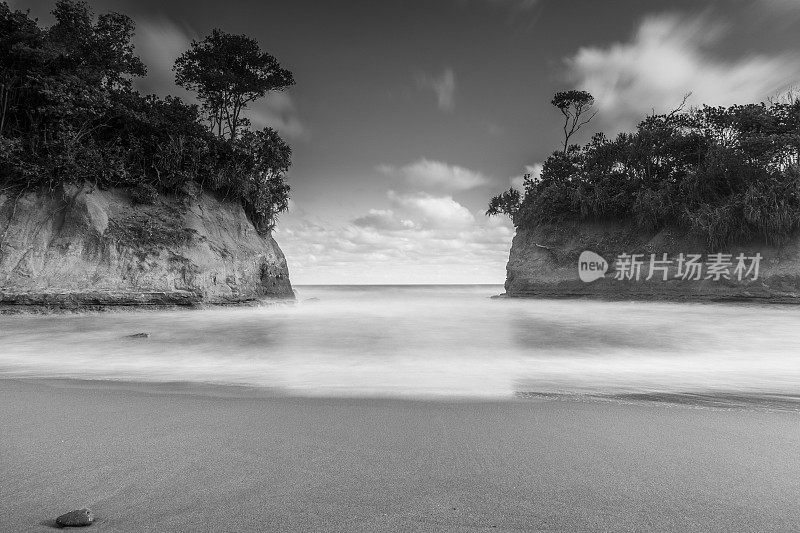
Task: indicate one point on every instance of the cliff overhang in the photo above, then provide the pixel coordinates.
(82, 247)
(544, 262)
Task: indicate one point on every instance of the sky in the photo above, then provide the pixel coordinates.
(408, 115)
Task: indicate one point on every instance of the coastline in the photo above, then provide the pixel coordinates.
(647, 297)
(90, 248)
(179, 457)
(543, 263)
(106, 302)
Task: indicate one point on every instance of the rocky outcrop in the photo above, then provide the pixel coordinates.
(544, 263)
(83, 247)
(76, 518)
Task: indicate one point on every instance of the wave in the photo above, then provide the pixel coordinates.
(432, 341)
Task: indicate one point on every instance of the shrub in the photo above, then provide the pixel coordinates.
(727, 174)
(144, 194)
(71, 115)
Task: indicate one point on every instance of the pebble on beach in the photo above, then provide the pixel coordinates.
(76, 518)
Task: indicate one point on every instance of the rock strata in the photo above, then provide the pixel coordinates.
(82, 247)
(543, 263)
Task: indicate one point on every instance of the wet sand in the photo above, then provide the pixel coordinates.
(189, 458)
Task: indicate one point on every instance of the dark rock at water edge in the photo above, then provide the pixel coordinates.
(543, 263)
(76, 518)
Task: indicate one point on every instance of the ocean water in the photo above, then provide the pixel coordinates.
(427, 341)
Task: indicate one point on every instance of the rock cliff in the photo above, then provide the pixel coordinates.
(83, 247)
(544, 263)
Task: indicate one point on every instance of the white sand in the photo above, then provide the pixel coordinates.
(183, 458)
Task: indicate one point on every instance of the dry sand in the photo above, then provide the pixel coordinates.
(186, 458)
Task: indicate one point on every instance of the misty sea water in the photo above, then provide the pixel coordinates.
(426, 341)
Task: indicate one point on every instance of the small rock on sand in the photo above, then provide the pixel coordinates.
(76, 518)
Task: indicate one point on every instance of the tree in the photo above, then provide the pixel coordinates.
(69, 113)
(101, 53)
(20, 47)
(228, 72)
(507, 203)
(267, 158)
(574, 105)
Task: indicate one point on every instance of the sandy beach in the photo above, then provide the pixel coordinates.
(194, 458)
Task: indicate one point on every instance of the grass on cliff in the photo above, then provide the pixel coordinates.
(149, 230)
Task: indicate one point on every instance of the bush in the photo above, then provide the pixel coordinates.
(144, 194)
(726, 174)
(150, 230)
(72, 115)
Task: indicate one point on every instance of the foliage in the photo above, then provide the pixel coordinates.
(574, 105)
(69, 113)
(507, 203)
(228, 72)
(149, 230)
(727, 174)
(144, 194)
(252, 170)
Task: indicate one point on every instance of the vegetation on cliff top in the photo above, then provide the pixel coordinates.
(69, 113)
(726, 174)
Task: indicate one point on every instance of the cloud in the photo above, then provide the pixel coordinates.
(778, 8)
(277, 111)
(438, 212)
(668, 57)
(444, 86)
(416, 237)
(535, 170)
(421, 239)
(383, 219)
(159, 42)
(426, 174)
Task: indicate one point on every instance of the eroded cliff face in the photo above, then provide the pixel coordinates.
(544, 263)
(87, 247)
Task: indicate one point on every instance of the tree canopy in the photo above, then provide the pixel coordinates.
(507, 203)
(69, 112)
(727, 174)
(574, 105)
(228, 72)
